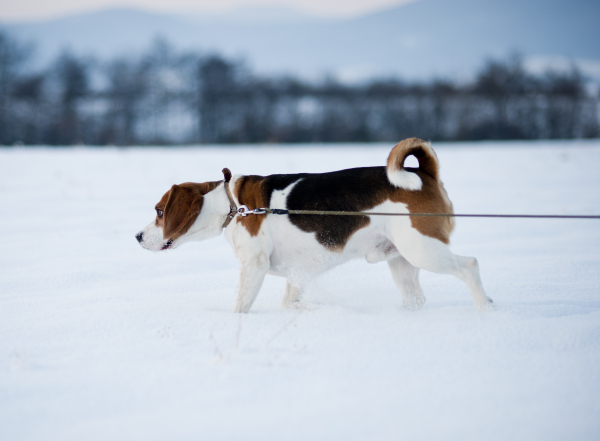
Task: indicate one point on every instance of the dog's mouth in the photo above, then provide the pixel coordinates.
(167, 245)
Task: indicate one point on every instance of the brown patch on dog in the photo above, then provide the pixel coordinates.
(181, 206)
(432, 198)
(251, 192)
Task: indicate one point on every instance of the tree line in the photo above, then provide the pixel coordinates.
(169, 97)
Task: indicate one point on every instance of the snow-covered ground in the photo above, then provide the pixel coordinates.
(102, 340)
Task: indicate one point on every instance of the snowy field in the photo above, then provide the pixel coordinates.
(102, 340)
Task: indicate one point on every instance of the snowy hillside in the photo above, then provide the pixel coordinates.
(100, 339)
(421, 39)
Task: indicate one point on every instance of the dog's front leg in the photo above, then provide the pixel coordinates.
(252, 275)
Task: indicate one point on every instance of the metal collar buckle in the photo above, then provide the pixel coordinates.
(244, 211)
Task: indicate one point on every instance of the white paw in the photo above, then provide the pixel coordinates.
(295, 304)
(241, 308)
(485, 305)
(412, 303)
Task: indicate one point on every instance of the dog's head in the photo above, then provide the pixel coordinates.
(186, 212)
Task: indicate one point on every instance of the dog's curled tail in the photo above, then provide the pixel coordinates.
(428, 163)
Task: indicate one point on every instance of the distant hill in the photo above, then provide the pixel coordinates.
(416, 40)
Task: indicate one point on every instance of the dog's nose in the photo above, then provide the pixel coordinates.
(139, 236)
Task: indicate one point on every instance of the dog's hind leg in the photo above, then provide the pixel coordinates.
(468, 272)
(291, 297)
(252, 274)
(435, 256)
(406, 278)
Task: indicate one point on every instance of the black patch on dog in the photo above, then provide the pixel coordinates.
(345, 190)
(354, 189)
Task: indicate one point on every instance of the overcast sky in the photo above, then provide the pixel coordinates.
(40, 9)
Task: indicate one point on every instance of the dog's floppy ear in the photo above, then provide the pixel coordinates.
(181, 211)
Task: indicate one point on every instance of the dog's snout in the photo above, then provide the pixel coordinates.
(139, 236)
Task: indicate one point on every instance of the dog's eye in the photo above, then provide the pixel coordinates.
(159, 213)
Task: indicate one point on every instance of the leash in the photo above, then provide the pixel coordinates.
(244, 211)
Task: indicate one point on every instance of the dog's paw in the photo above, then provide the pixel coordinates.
(412, 303)
(486, 305)
(296, 304)
(241, 308)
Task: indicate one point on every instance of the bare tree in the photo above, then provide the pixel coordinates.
(127, 87)
(13, 56)
(71, 86)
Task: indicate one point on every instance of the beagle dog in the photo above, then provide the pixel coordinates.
(299, 246)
